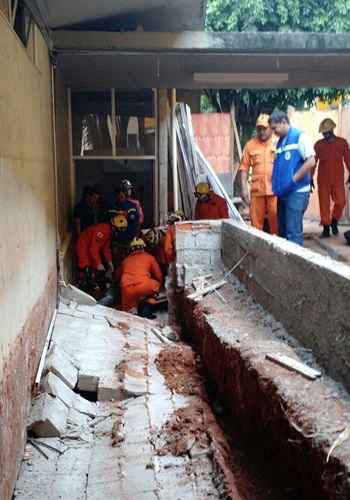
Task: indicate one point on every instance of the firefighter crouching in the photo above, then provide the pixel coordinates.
(93, 251)
(140, 280)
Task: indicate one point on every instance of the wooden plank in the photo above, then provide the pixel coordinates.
(294, 365)
(156, 163)
(174, 150)
(206, 290)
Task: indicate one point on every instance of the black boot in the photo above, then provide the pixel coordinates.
(326, 232)
(334, 227)
(145, 310)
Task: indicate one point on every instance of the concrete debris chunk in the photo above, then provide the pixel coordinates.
(56, 387)
(48, 417)
(170, 333)
(88, 382)
(84, 406)
(59, 363)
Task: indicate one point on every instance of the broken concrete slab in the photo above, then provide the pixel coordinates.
(48, 417)
(110, 389)
(62, 366)
(56, 387)
(88, 382)
(71, 292)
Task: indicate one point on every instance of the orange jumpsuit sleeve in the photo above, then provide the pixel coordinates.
(245, 161)
(95, 251)
(155, 270)
(106, 250)
(223, 209)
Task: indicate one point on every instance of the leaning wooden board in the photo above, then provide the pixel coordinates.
(294, 365)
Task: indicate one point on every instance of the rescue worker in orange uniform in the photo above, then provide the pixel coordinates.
(209, 205)
(140, 279)
(258, 155)
(169, 240)
(92, 248)
(331, 154)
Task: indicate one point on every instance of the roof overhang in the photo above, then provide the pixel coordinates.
(96, 60)
(153, 15)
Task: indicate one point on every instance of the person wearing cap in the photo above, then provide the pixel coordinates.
(258, 156)
(209, 205)
(332, 152)
(140, 278)
(291, 176)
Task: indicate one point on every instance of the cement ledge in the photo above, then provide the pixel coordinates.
(309, 293)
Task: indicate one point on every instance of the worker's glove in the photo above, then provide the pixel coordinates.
(312, 186)
(101, 267)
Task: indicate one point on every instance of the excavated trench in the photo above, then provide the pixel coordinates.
(280, 426)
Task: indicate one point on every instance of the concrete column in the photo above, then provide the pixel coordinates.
(164, 116)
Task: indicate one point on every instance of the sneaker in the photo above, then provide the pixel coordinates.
(326, 232)
(334, 227)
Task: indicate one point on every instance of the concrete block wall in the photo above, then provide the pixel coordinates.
(307, 292)
(198, 249)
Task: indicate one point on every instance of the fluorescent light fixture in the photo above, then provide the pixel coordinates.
(241, 78)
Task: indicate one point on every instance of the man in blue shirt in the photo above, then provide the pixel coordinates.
(291, 177)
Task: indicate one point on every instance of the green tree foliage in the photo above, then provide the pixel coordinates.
(273, 15)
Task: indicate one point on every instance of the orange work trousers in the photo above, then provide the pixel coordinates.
(132, 295)
(327, 193)
(262, 206)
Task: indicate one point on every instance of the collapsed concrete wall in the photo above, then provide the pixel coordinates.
(198, 249)
(307, 292)
(27, 225)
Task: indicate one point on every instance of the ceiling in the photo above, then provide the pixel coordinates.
(202, 60)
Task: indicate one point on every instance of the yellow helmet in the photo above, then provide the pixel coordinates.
(120, 222)
(202, 188)
(327, 125)
(137, 243)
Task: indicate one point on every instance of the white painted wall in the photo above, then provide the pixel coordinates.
(27, 220)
